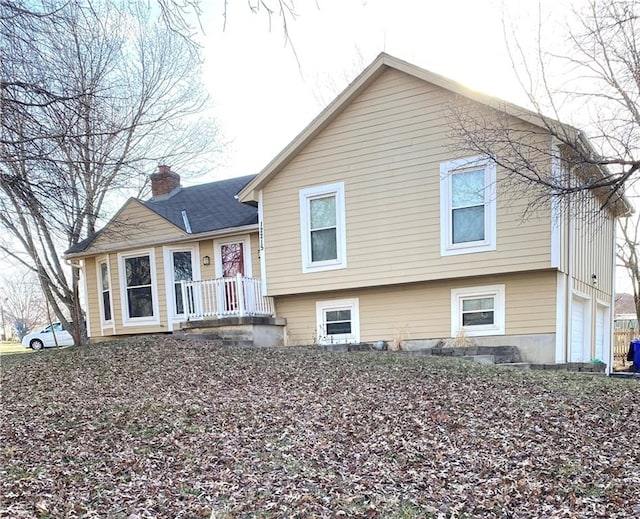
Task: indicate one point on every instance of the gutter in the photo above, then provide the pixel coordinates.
(184, 238)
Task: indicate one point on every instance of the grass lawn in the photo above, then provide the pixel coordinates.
(7, 348)
(163, 428)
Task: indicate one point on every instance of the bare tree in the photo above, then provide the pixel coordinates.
(184, 16)
(628, 253)
(93, 96)
(23, 302)
(595, 80)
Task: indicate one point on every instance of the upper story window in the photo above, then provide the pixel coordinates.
(467, 206)
(322, 228)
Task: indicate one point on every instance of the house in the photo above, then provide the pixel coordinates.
(136, 267)
(369, 226)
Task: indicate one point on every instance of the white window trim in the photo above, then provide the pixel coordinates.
(262, 252)
(447, 169)
(338, 304)
(167, 253)
(138, 321)
(459, 294)
(307, 194)
(246, 251)
(607, 346)
(110, 323)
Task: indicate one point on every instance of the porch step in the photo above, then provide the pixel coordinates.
(238, 343)
(198, 337)
(237, 332)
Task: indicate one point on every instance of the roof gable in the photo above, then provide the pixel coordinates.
(382, 63)
(134, 223)
(190, 211)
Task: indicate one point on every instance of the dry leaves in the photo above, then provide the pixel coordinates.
(163, 428)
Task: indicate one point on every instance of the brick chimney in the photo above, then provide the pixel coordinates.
(164, 182)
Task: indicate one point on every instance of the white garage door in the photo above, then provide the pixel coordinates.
(578, 327)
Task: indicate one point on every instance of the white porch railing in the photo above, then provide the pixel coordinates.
(225, 297)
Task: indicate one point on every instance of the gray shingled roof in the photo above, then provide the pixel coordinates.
(209, 207)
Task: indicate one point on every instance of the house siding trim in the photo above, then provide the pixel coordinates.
(562, 308)
(111, 324)
(261, 244)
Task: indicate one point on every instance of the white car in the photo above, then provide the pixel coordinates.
(48, 337)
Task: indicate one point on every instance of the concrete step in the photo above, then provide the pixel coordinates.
(237, 343)
(197, 337)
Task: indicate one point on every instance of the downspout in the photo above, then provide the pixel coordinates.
(609, 367)
(569, 288)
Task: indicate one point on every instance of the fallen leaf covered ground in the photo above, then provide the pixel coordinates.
(167, 428)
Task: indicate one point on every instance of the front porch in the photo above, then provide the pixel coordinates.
(220, 298)
(230, 310)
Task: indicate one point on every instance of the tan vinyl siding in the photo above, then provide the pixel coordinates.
(593, 238)
(93, 310)
(423, 310)
(387, 147)
(206, 249)
(134, 227)
(93, 294)
(255, 255)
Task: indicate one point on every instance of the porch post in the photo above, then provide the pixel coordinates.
(185, 301)
(240, 292)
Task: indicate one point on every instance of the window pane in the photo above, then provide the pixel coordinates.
(179, 303)
(138, 271)
(140, 302)
(338, 315)
(182, 266)
(467, 188)
(232, 259)
(468, 224)
(323, 212)
(484, 303)
(477, 318)
(339, 328)
(324, 245)
(104, 275)
(106, 306)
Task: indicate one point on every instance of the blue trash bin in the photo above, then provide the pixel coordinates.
(635, 346)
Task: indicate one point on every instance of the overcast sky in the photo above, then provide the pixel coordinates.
(264, 92)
